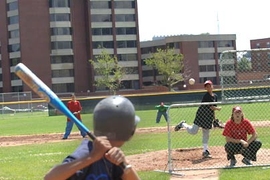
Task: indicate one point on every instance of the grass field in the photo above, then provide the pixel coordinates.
(31, 162)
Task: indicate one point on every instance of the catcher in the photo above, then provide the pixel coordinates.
(114, 123)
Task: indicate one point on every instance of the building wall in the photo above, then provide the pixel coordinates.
(201, 56)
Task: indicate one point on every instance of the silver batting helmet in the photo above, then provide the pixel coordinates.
(114, 117)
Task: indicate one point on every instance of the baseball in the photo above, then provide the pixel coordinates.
(191, 81)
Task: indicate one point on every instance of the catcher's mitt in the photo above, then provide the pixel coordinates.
(218, 124)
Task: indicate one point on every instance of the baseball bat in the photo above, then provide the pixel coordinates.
(31, 80)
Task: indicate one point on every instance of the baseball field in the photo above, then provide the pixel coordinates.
(30, 145)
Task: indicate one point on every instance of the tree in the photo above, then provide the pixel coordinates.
(108, 72)
(168, 64)
(244, 64)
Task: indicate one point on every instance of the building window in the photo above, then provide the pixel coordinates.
(14, 33)
(15, 61)
(131, 70)
(59, 3)
(124, 31)
(225, 43)
(102, 44)
(258, 45)
(12, 6)
(13, 20)
(127, 57)
(101, 31)
(61, 59)
(63, 73)
(126, 44)
(13, 76)
(60, 17)
(63, 88)
(61, 31)
(268, 44)
(17, 89)
(125, 17)
(101, 18)
(61, 45)
(14, 48)
(124, 4)
(206, 44)
(206, 56)
(101, 4)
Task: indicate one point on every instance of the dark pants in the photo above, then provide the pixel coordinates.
(237, 148)
(159, 114)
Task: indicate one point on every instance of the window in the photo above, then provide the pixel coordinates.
(13, 20)
(12, 6)
(146, 50)
(61, 45)
(102, 44)
(59, 3)
(268, 45)
(101, 4)
(102, 31)
(61, 59)
(147, 73)
(63, 88)
(206, 56)
(124, 31)
(173, 45)
(131, 70)
(124, 17)
(126, 44)
(127, 57)
(14, 33)
(227, 67)
(17, 89)
(61, 31)
(60, 17)
(101, 18)
(225, 43)
(14, 48)
(205, 44)
(124, 4)
(63, 73)
(258, 45)
(13, 76)
(15, 61)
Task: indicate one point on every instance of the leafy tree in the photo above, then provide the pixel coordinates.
(244, 64)
(109, 73)
(168, 64)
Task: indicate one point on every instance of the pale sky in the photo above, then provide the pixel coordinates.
(248, 19)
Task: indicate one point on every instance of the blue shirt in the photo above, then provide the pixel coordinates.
(100, 170)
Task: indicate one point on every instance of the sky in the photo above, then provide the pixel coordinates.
(248, 19)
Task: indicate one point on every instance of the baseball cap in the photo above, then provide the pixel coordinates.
(236, 109)
(208, 82)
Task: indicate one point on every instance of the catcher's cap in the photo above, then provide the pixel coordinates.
(237, 109)
(114, 117)
(208, 82)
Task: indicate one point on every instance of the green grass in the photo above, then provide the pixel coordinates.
(33, 161)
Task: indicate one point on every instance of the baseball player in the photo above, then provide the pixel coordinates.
(204, 118)
(236, 133)
(114, 123)
(161, 111)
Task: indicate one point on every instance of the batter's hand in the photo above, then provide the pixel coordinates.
(100, 146)
(115, 156)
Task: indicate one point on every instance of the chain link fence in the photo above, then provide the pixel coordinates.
(245, 82)
(18, 104)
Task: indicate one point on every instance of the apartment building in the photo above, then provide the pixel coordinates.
(57, 38)
(201, 56)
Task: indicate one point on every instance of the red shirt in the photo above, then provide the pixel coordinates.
(238, 131)
(74, 106)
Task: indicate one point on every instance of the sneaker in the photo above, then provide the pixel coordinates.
(233, 162)
(179, 126)
(246, 161)
(64, 138)
(206, 154)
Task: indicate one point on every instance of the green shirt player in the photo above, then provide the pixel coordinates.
(161, 110)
